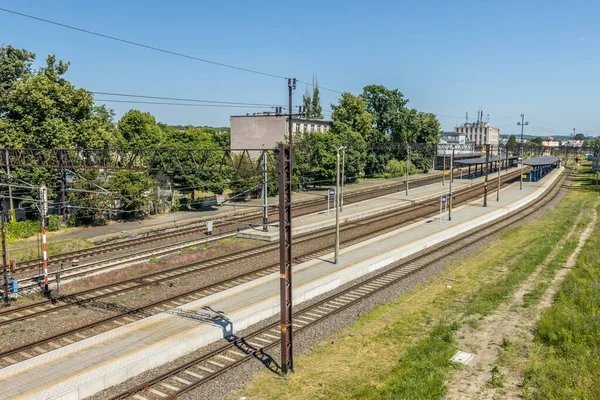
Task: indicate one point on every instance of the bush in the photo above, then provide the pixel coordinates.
(395, 168)
(176, 204)
(22, 229)
(53, 222)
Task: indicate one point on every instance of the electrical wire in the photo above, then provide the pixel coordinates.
(174, 104)
(158, 49)
(184, 99)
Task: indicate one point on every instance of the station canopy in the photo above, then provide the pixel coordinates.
(481, 160)
(542, 161)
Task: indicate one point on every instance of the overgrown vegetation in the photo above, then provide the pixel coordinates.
(29, 251)
(565, 362)
(23, 229)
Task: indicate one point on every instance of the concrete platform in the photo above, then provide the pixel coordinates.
(87, 367)
(363, 209)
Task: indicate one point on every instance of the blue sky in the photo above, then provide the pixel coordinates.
(540, 58)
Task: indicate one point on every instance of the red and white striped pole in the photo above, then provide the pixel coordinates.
(44, 211)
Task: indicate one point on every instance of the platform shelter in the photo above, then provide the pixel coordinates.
(476, 166)
(541, 166)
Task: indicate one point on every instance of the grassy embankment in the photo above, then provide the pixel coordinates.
(401, 350)
(564, 361)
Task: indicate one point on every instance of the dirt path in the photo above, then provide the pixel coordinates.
(510, 324)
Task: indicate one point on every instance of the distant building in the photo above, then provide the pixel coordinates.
(573, 143)
(550, 143)
(463, 146)
(464, 149)
(479, 133)
(250, 131)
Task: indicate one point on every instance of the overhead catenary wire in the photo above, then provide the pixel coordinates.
(158, 49)
(185, 99)
(176, 104)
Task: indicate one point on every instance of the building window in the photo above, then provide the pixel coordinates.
(305, 127)
(312, 128)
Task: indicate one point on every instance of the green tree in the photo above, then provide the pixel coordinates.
(579, 136)
(140, 130)
(392, 122)
(307, 103)
(194, 139)
(15, 65)
(316, 111)
(134, 191)
(40, 108)
(538, 141)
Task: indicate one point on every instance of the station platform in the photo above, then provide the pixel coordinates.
(93, 364)
(363, 209)
(176, 220)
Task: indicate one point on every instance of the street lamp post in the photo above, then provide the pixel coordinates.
(337, 205)
(498, 188)
(522, 124)
(407, 166)
(343, 178)
(450, 187)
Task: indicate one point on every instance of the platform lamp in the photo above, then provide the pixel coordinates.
(450, 188)
(265, 192)
(522, 124)
(337, 204)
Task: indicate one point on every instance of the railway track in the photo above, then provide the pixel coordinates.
(194, 373)
(89, 298)
(82, 262)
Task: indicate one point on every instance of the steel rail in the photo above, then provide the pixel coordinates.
(20, 353)
(196, 372)
(152, 278)
(303, 207)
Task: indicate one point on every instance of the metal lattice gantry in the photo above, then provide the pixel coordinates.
(160, 159)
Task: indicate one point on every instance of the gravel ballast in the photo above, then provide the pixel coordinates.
(236, 378)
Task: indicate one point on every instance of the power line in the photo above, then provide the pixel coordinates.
(143, 45)
(175, 104)
(174, 53)
(184, 99)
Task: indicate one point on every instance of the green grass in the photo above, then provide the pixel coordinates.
(545, 277)
(565, 362)
(524, 258)
(422, 370)
(58, 246)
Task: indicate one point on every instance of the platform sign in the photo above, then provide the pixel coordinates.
(443, 207)
(524, 176)
(330, 194)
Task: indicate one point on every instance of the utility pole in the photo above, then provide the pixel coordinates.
(343, 178)
(522, 123)
(487, 164)
(407, 166)
(43, 212)
(444, 170)
(265, 194)
(10, 197)
(337, 204)
(4, 264)
(63, 189)
(285, 242)
(498, 188)
(450, 189)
